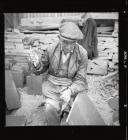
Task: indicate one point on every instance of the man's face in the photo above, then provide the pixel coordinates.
(67, 45)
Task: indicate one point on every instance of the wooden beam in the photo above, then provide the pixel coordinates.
(105, 15)
(112, 15)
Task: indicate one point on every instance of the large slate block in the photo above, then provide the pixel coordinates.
(15, 120)
(114, 103)
(116, 116)
(18, 76)
(97, 67)
(34, 84)
(12, 96)
(25, 67)
(83, 112)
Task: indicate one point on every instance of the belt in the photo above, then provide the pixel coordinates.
(59, 81)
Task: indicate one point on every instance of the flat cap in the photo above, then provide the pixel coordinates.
(70, 30)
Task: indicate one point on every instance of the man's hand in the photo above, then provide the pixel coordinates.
(34, 58)
(66, 95)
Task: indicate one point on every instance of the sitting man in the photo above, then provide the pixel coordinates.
(66, 66)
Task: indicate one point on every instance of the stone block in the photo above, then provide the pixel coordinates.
(15, 120)
(98, 67)
(83, 112)
(12, 96)
(34, 84)
(18, 76)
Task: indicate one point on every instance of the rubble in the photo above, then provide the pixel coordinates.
(100, 94)
(29, 104)
(107, 53)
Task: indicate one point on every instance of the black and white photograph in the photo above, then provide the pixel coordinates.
(61, 69)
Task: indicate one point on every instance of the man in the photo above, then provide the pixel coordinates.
(66, 66)
(89, 29)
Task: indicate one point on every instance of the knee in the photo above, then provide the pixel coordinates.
(52, 116)
(49, 107)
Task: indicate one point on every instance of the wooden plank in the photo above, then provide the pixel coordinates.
(21, 59)
(8, 43)
(104, 29)
(106, 32)
(105, 15)
(106, 35)
(40, 21)
(14, 40)
(42, 32)
(12, 36)
(12, 96)
(10, 47)
(16, 53)
(39, 28)
(83, 112)
(15, 120)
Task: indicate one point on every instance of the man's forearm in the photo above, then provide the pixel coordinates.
(40, 68)
(78, 86)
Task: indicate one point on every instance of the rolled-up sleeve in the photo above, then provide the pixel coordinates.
(79, 81)
(44, 60)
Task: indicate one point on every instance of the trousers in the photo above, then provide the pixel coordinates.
(53, 103)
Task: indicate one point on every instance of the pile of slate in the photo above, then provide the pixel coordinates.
(101, 92)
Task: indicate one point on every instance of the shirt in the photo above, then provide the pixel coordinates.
(64, 62)
(65, 57)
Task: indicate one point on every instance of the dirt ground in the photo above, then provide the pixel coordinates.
(98, 93)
